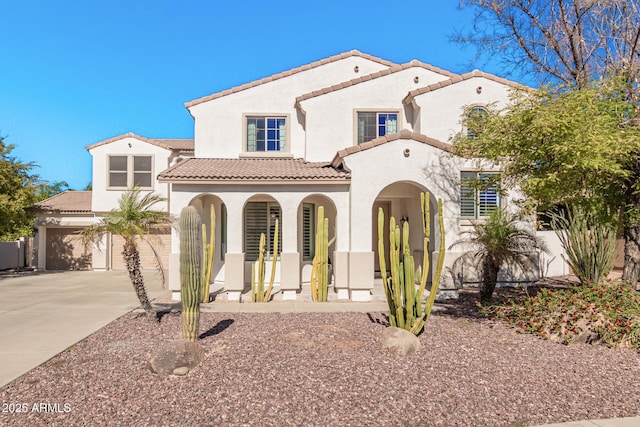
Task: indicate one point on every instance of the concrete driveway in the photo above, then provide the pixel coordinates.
(42, 314)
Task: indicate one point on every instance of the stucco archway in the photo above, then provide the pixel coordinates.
(402, 201)
(204, 203)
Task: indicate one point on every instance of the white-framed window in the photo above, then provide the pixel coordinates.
(479, 194)
(372, 125)
(308, 231)
(260, 217)
(125, 171)
(475, 115)
(266, 134)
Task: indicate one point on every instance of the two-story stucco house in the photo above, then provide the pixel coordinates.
(352, 132)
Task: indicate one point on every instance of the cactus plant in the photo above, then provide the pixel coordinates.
(190, 272)
(208, 250)
(404, 300)
(320, 268)
(258, 294)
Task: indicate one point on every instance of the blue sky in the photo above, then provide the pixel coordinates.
(76, 72)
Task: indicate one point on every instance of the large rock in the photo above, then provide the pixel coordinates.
(174, 355)
(399, 341)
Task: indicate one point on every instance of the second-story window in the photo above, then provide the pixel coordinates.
(372, 125)
(127, 171)
(266, 133)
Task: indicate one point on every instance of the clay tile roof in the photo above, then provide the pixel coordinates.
(67, 202)
(403, 134)
(262, 170)
(459, 78)
(286, 74)
(392, 69)
(180, 145)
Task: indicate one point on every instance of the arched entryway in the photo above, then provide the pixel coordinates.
(204, 204)
(402, 201)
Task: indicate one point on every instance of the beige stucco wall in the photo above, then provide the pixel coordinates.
(219, 126)
(332, 118)
(103, 199)
(442, 111)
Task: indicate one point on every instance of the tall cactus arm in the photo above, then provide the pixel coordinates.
(440, 265)
(274, 262)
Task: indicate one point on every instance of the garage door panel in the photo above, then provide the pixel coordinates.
(160, 242)
(65, 250)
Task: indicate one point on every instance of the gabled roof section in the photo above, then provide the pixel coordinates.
(179, 145)
(288, 73)
(391, 70)
(252, 171)
(67, 202)
(457, 79)
(337, 161)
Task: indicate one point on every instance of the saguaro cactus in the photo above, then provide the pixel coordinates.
(258, 294)
(404, 300)
(320, 268)
(190, 272)
(208, 250)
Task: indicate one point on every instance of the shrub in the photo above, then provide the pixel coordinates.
(609, 309)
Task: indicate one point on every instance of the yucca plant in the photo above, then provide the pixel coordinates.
(588, 241)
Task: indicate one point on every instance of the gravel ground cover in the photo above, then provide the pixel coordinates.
(326, 369)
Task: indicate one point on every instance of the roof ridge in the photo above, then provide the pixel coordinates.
(287, 73)
(158, 142)
(391, 70)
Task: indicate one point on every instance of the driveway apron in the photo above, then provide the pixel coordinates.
(42, 314)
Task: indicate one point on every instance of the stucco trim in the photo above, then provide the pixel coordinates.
(185, 145)
(460, 78)
(391, 70)
(403, 134)
(288, 73)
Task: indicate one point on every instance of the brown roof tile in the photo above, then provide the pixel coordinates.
(180, 145)
(287, 73)
(457, 79)
(373, 76)
(67, 202)
(403, 134)
(252, 170)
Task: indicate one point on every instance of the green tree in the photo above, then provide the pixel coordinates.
(44, 190)
(17, 194)
(576, 147)
(498, 241)
(133, 219)
(573, 42)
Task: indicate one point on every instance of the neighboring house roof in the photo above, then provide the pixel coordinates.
(373, 76)
(179, 145)
(457, 79)
(403, 134)
(67, 202)
(259, 170)
(288, 73)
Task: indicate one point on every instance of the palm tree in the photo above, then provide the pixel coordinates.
(133, 219)
(499, 240)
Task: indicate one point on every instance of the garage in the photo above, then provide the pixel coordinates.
(66, 251)
(161, 242)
